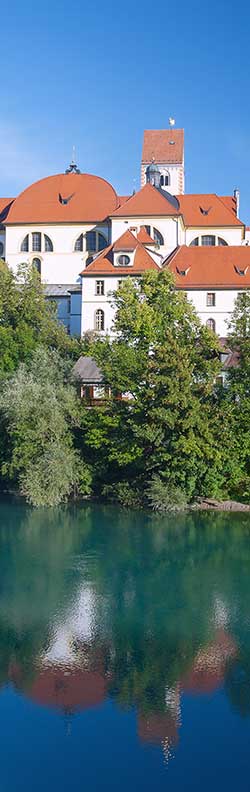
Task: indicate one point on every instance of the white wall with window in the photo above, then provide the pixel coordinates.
(93, 301)
(216, 304)
(55, 246)
(214, 236)
(168, 229)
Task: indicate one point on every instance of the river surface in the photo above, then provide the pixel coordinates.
(124, 650)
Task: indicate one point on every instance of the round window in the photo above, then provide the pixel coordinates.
(1, 249)
(123, 260)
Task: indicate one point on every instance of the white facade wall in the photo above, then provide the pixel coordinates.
(91, 301)
(64, 264)
(170, 229)
(233, 235)
(221, 312)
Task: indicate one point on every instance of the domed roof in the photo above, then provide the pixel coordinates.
(65, 198)
(153, 168)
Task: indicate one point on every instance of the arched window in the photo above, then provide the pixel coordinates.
(208, 239)
(167, 180)
(36, 263)
(102, 242)
(123, 260)
(211, 324)
(79, 244)
(25, 244)
(194, 242)
(36, 241)
(99, 319)
(48, 245)
(91, 240)
(158, 237)
(221, 241)
(95, 241)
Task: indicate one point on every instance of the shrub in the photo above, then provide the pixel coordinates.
(124, 493)
(165, 497)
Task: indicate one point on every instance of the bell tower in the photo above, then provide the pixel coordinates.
(163, 149)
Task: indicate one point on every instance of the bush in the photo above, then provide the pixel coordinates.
(165, 497)
(124, 493)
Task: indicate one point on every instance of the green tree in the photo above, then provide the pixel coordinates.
(237, 394)
(167, 363)
(38, 415)
(27, 318)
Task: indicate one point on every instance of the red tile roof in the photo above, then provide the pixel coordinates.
(144, 237)
(90, 199)
(123, 198)
(230, 202)
(103, 264)
(147, 202)
(5, 204)
(210, 267)
(207, 210)
(126, 242)
(157, 145)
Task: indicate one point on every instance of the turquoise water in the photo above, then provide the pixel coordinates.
(124, 650)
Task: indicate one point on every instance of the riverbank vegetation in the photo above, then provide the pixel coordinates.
(177, 436)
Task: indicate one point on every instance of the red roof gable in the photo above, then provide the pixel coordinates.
(210, 267)
(144, 237)
(148, 201)
(103, 264)
(163, 145)
(126, 242)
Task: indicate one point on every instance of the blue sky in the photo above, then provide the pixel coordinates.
(96, 75)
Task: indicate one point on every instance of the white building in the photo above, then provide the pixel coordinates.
(84, 238)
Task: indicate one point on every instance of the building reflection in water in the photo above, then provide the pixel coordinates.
(77, 672)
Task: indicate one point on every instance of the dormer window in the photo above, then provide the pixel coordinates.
(65, 201)
(123, 260)
(182, 272)
(241, 271)
(205, 211)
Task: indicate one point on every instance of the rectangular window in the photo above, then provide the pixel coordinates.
(211, 299)
(99, 287)
(208, 239)
(36, 241)
(91, 240)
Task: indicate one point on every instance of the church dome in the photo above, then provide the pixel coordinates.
(153, 175)
(65, 198)
(153, 168)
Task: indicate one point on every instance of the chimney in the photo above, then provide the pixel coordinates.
(237, 201)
